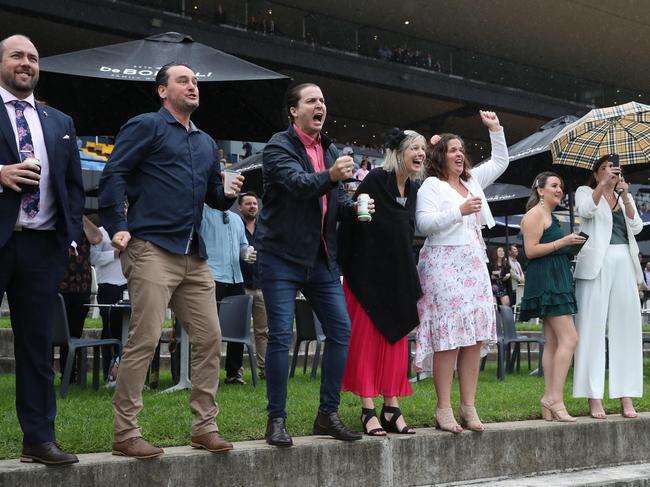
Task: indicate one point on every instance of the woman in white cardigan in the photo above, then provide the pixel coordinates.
(456, 309)
(607, 273)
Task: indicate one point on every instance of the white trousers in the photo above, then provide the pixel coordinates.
(611, 298)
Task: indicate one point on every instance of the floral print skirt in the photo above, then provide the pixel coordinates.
(456, 308)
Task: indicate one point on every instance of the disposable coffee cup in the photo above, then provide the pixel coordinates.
(247, 253)
(125, 295)
(228, 177)
(363, 214)
(31, 188)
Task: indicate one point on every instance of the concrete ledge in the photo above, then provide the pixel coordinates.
(429, 457)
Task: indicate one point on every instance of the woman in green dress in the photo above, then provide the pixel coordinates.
(548, 292)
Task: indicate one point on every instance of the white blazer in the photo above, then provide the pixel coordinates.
(597, 222)
(437, 212)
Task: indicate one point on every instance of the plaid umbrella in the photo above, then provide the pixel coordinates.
(622, 130)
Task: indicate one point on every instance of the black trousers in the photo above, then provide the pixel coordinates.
(235, 351)
(111, 320)
(32, 265)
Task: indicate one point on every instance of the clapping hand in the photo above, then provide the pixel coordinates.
(490, 120)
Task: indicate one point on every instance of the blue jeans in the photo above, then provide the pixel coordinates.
(321, 286)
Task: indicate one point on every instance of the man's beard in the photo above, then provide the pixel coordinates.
(22, 88)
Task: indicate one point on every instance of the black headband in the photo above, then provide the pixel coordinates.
(394, 138)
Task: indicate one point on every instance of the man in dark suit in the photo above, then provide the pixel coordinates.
(40, 216)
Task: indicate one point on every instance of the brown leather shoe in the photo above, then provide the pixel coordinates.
(136, 447)
(49, 453)
(211, 441)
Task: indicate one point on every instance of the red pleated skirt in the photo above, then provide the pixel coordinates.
(374, 366)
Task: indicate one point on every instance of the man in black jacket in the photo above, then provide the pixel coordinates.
(296, 239)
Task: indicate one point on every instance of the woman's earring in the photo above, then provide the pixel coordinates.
(541, 201)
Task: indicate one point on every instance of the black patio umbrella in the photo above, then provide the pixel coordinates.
(101, 88)
(532, 155)
(251, 168)
(507, 199)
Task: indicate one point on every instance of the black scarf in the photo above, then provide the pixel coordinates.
(377, 258)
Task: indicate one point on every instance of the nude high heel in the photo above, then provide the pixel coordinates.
(558, 412)
(469, 419)
(445, 421)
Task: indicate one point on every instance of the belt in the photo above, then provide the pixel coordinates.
(22, 228)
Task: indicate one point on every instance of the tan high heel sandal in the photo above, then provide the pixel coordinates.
(445, 421)
(556, 412)
(628, 414)
(469, 419)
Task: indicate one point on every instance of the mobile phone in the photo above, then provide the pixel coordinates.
(613, 158)
(577, 247)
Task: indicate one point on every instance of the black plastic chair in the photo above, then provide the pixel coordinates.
(61, 336)
(510, 337)
(235, 314)
(308, 329)
(500, 349)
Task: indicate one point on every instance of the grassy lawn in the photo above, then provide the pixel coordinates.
(84, 421)
(89, 323)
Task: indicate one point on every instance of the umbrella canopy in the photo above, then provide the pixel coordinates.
(102, 88)
(622, 130)
(251, 168)
(532, 155)
(507, 199)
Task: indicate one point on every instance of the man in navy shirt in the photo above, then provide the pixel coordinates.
(168, 169)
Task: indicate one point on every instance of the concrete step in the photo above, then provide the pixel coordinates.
(515, 451)
(636, 475)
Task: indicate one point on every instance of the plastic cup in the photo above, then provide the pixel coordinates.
(247, 253)
(228, 178)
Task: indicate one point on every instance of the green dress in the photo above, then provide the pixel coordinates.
(548, 289)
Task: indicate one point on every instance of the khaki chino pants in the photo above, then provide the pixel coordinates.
(157, 278)
(260, 327)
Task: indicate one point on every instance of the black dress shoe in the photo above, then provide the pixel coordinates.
(49, 453)
(330, 424)
(276, 433)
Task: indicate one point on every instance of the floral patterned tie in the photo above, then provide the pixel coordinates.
(29, 201)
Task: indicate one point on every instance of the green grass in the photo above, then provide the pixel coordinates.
(85, 420)
(89, 323)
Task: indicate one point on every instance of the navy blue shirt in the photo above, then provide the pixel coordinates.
(167, 173)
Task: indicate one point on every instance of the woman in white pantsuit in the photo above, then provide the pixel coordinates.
(607, 272)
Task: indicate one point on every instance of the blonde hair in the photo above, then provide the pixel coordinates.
(394, 157)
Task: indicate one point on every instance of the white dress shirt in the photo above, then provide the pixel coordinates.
(107, 266)
(46, 216)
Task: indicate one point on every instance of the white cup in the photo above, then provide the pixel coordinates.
(125, 295)
(228, 177)
(247, 253)
(363, 214)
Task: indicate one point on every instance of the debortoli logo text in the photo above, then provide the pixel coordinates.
(141, 71)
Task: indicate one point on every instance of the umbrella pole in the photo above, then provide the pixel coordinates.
(507, 233)
(571, 200)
